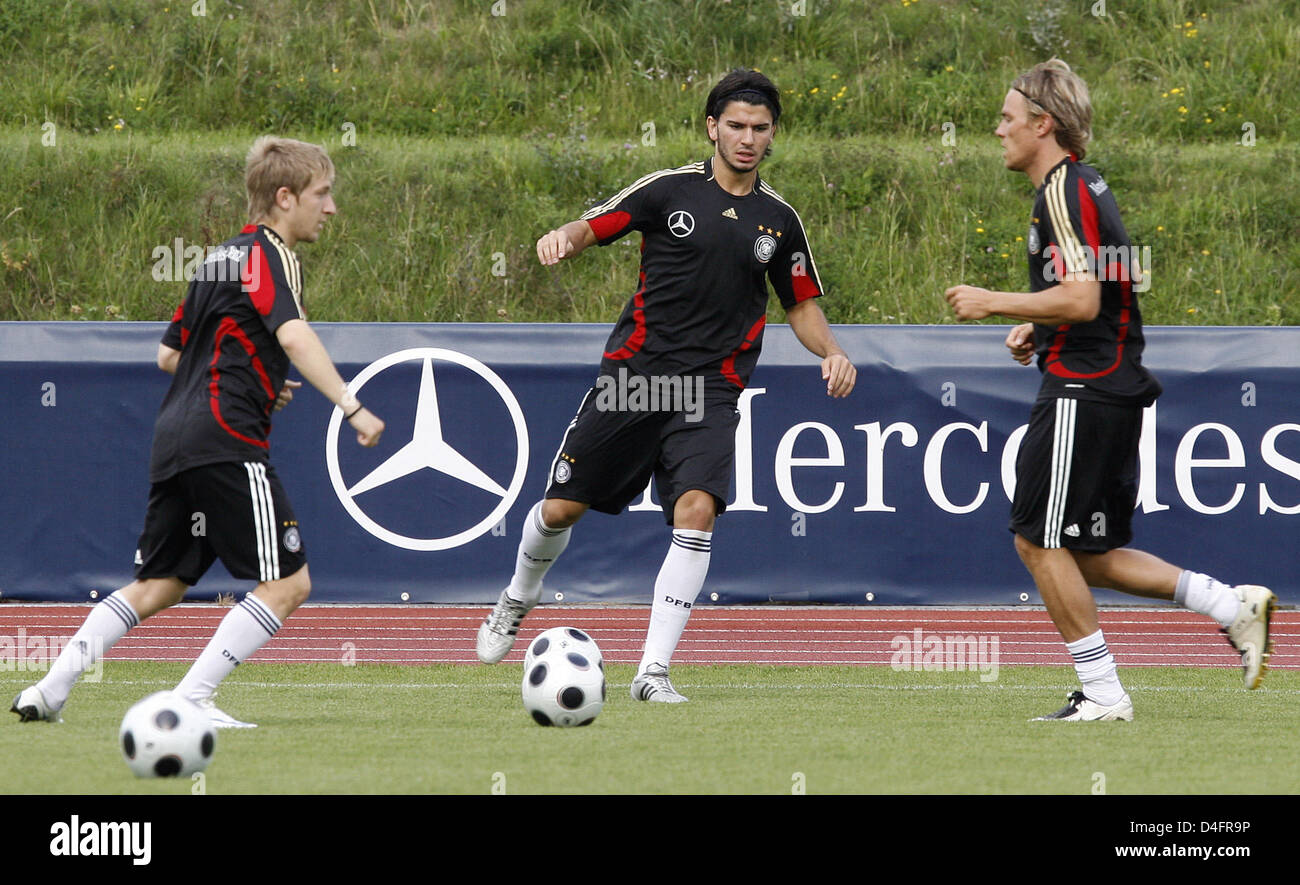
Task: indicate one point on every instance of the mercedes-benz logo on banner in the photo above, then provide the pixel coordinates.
(428, 449)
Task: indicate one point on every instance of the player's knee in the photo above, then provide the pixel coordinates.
(1028, 551)
(299, 587)
(695, 511)
(558, 513)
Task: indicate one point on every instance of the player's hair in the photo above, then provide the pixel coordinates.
(750, 87)
(1052, 88)
(273, 163)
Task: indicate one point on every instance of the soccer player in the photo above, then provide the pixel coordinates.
(712, 232)
(214, 494)
(1076, 471)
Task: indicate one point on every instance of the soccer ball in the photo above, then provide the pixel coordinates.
(564, 678)
(166, 735)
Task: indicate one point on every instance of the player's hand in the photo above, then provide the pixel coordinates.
(969, 302)
(553, 247)
(368, 427)
(839, 374)
(286, 394)
(1020, 341)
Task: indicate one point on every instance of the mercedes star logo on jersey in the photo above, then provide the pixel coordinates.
(428, 449)
(681, 223)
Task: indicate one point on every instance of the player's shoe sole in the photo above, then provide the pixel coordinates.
(1249, 632)
(496, 635)
(30, 706)
(653, 686)
(1079, 709)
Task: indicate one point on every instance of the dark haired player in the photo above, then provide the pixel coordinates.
(713, 233)
(1076, 473)
(229, 347)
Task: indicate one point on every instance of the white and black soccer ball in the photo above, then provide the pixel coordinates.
(564, 678)
(166, 735)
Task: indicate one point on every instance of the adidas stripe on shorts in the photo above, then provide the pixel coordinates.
(236, 512)
(1076, 475)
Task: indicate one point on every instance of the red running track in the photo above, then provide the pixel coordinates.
(431, 634)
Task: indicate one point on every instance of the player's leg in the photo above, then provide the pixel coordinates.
(166, 549)
(543, 538)
(107, 623)
(247, 627)
(693, 476)
(1065, 474)
(604, 460)
(1243, 612)
(678, 584)
(252, 529)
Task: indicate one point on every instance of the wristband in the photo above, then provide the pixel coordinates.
(354, 412)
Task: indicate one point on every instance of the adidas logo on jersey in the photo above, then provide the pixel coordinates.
(1072, 530)
(730, 213)
(1098, 187)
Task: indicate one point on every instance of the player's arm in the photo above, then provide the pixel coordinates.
(565, 242)
(812, 330)
(168, 358)
(308, 355)
(1076, 299)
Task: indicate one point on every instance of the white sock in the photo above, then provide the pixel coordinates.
(680, 579)
(539, 547)
(1096, 668)
(1203, 594)
(246, 628)
(104, 626)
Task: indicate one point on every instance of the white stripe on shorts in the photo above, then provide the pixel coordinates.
(1062, 455)
(259, 489)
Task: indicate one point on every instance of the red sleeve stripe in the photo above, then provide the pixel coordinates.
(611, 224)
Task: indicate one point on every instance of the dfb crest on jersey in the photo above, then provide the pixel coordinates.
(562, 472)
(1034, 243)
(764, 248)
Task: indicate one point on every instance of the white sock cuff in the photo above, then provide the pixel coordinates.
(258, 611)
(117, 604)
(695, 541)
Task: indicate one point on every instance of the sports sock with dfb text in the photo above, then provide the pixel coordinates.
(679, 582)
(245, 628)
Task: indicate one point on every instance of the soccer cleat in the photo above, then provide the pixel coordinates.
(497, 632)
(30, 706)
(653, 685)
(220, 718)
(1079, 709)
(1248, 633)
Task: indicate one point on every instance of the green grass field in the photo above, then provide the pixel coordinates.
(453, 729)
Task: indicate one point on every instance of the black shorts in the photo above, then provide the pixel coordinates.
(1076, 475)
(607, 457)
(235, 512)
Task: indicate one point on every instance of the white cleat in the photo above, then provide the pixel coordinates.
(653, 685)
(220, 718)
(1079, 709)
(1248, 633)
(497, 633)
(30, 706)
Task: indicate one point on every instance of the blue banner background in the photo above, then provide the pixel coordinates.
(79, 400)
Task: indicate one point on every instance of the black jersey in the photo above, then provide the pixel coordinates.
(1076, 228)
(232, 366)
(701, 303)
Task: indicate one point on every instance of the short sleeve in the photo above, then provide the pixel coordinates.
(636, 207)
(272, 279)
(792, 271)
